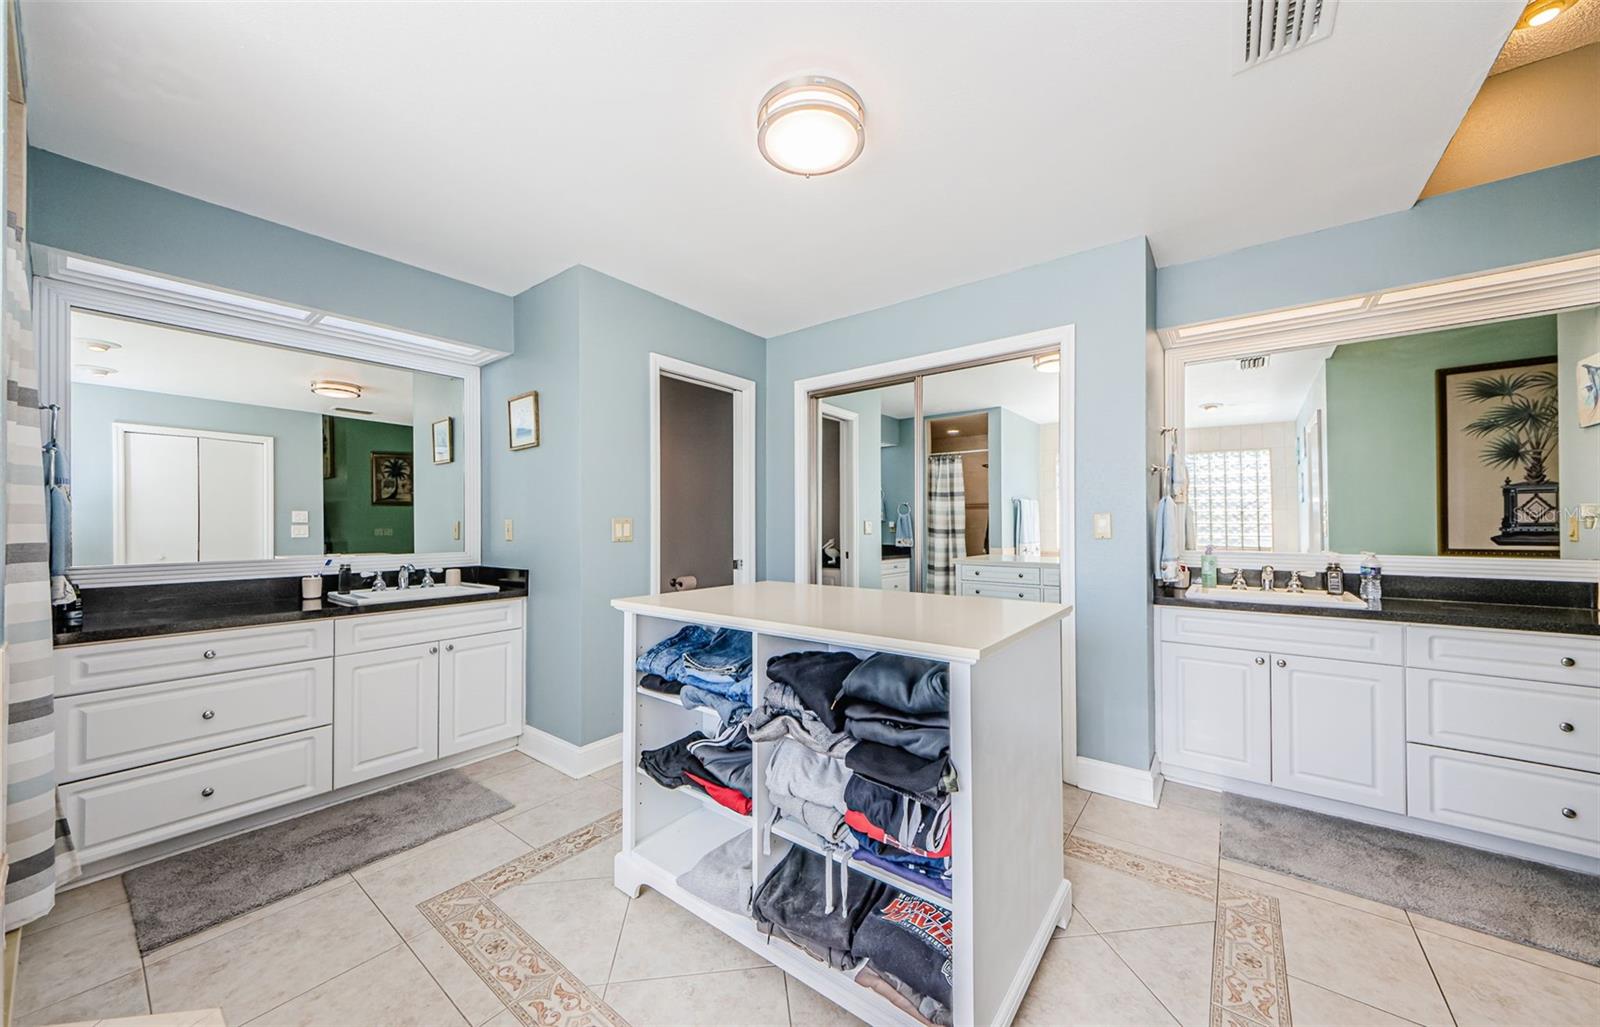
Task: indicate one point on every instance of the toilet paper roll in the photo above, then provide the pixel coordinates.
(684, 583)
(311, 587)
(452, 576)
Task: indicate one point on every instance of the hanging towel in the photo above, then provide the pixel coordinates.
(1167, 542)
(58, 496)
(902, 526)
(1025, 526)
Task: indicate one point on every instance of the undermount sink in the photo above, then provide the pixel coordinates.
(1224, 594)
(414, 594)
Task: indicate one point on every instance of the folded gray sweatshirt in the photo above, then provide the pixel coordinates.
(809, 788)
(782, 713)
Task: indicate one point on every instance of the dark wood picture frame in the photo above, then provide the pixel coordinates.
(402, 494)
(449, 424)
(532, 398)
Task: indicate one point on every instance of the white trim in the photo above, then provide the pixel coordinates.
(849, 502)
(119, 499)
(744, 460)
(53, 300)
(1498, 295)
(1119, 782)
(575, 761)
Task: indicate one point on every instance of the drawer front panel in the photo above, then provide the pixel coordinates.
(121, 812)
(1032, 593)
(1503, 797)
(102, 732)
(1052, 594)
(1329, 637)
(390, 630)
(1050, 575)
(143, 661)
(1526, 655)
(999, 574)
(1525, 720)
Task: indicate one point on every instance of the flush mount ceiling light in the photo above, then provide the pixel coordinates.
(952, 431)
(336, 390)
(1542, 12)
(1208, 407)
(1048, 363)
(100, 345)
(98, 372)
(811, 126)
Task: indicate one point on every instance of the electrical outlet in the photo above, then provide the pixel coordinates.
(1102, 525)
(509, 533)
(299, 517)
(622, 529)
(299, 531)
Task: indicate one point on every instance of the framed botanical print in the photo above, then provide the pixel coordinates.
(391, 479)
(522, 416)
(444, 440)
(327, 446)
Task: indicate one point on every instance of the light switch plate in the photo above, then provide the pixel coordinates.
(1102, 525)
(455, 532)
(299, 517)
(508, 529)
(866, 527)
(299, 531)
(622, 529)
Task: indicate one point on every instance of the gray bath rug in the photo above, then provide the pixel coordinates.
(184, 894)
(1529, 903)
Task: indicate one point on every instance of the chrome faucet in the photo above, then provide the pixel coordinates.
(403, 575)
(1239, 584)
(1294, 583)
(1267, 574)
(427, 578)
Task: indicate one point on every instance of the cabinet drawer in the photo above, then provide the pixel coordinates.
(101, 732)
(1504, 797)
(998, 573)
(1525, 720)
(1528, 655)
(1052, 594)
(121, 812)
(1330, 637)
(142, 661)
(390, 630)
(1050, 575)
(1032, 593)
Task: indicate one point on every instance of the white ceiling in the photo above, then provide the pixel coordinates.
(502, 143)
(156, 358)
(1013, 384)
(1260, 396)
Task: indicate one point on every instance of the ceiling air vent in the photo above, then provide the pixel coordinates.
(1254, 363)
(1272, 28)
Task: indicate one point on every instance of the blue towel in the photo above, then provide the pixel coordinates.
(902, 527)
(1168, 545)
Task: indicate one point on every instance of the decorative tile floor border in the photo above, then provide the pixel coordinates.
(1249, 980)
(532, 983)
(1152, 870)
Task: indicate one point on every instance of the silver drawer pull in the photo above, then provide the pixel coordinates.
(208, 714)
(1569, 813)
(432, 649)
(1261, 661)
(1283, 663)
(1565, 726)
(210, 654)
(1567, 661)
(207, 792)
(450, 647)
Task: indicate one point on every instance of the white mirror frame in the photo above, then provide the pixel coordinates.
(53, 302)
(1570, 283)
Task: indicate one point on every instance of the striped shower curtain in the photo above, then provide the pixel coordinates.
(946, 537)
(38, 847)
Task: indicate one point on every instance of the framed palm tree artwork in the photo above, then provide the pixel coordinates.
(1499, 491)
(391, 479)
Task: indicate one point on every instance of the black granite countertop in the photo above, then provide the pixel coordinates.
(1465, 603)
(896, 553)
(142, 611)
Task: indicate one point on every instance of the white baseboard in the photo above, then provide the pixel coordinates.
(1119, 782)
(571, 760)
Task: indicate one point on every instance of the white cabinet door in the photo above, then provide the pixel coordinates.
(235, 499)
(157, 498)
(1338, 730)
(480, 690)
(385, 712)
(1215, 713)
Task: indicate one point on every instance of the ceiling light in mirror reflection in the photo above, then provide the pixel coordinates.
(94, 370)
(99, 345)
(336, 390)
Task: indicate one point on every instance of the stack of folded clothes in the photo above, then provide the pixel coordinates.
(704, 667)
(798, 701)
(791, 901)
(675, 765)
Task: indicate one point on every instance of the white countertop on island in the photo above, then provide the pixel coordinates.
(936, 626)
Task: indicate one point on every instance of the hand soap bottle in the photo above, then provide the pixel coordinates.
(1208, 568)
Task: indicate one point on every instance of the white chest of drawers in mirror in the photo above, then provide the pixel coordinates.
(1487, 737)
(164, 737)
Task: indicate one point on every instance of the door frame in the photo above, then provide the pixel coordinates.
(849, 501)
(119, 432)
(744, 460)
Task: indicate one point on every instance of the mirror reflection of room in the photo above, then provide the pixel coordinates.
(187, 447)
(864, 488)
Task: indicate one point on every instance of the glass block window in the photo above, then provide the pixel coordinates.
(1230, 494)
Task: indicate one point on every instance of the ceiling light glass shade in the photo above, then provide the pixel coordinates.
(1048, 363)
(1542, 12)
(811, 126)
(100, 345)
(99, 372)
(337, 390)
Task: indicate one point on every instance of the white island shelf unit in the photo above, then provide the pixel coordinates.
(1005, 714)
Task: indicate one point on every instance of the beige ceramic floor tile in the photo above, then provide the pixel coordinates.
(1078, 926)
(1073, 800)
(243, 919)
(1487, 988)
(1316, 891)
(1202, 799)
(1311, 1006)
(611, 775)
(527, 787)
(1081, 981)
(1114, 899)
(397, 888)
(265, 963)
(582, 802)
(1175, 964)
(392, 990)
(738, 998)
(1360, 955)
(1526, 953)
(809, 1009)
(460, 984)
(661, 939)
(500, 764)
(1179, 830)
(124, 996)
(68, 960)
(577, 921)
(596, 862)
(503, 1019)
(80, 902)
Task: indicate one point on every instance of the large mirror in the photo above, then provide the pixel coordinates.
(1481, 440)
(187, 447)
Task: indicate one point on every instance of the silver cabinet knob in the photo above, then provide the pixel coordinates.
(207, 792)
(210, 654)
(1261, 661)
(1567, 661)
(432, 649)
(208, 714)
(1565, 726)
(1283, 663)
(1569, 813)
(450, 647)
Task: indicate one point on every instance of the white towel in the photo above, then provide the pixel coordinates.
(1167, 542)
(1025, 526)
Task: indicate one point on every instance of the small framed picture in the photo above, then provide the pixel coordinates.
(391, 479)
(522, 415)
(444, 440)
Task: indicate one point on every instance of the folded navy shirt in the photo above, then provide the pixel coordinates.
(909, 938)
(903, 683)
(898, 768)
(816, 678)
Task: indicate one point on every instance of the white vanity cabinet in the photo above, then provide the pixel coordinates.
(385, 712)
(480, 690)
(1338, 730)
(1216, 710)
(998, 576)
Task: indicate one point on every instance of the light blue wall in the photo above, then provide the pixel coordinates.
(1577, 339)
(897, 470)
(97, 213)
(1019, 471)
(1106, 293)
(296, 452)
(1545, 214)
(439, 490)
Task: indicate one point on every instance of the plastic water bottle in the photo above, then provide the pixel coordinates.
(1371, 581)
(1208, 568)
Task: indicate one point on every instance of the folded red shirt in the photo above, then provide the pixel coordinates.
(729, 797)
(860, 822)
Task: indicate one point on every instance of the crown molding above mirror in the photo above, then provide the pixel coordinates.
(1545, 288)
(148, 297)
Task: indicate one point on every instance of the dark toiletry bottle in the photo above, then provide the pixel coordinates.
(344, 577)
(1335, 579)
